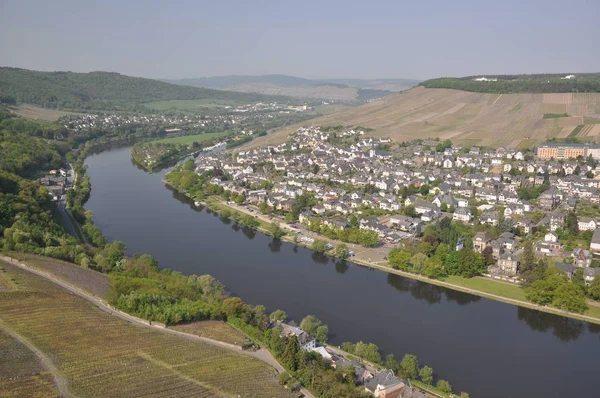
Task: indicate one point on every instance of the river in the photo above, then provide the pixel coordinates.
(487, 348)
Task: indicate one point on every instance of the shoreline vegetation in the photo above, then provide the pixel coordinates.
(476, 286)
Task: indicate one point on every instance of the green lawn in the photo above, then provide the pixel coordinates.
(189, 139)
(190, 105)
(489, 286)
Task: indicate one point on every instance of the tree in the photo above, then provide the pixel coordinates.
(319, 245)
(464, 395)
(342, 251)
(424, 190)
(289, 358)
(391, 363)
(263, 207)
(434, 268)
(571, 223)
(444, 207)
(444, 386)
(570, 297)
(278, 315)
(426, 375)
(578, 279)
(527, 258)
(399, 259)
(410, 211)
(594, 289)
(409, 366)
(488, 256)
(321, 333)
(276, 230)
(233, 306)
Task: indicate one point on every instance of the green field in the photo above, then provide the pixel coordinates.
(504, 289)
(189, 139)
(100, 355)
(191, 105)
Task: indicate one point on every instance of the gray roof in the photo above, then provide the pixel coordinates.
(385, 378)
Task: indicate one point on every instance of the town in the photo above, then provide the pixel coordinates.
(503, 204)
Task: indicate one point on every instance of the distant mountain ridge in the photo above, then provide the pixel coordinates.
(104, 90)
(330, 89)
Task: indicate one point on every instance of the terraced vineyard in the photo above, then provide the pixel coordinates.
(21, 374)
(103, 356)
(466, 117)
(216, 330)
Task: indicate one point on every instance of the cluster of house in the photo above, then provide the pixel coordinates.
(57, 182)
(230, 116)
(269, 107)
(347, 172)
(380, 383)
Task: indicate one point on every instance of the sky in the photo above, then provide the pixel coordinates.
(314, 39)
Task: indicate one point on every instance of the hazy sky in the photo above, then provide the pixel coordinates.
(364, 39)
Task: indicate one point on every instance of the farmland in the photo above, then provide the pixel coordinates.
(466, 117)
(217, 330)
(102, 355)
(191, 105)
(38, 113)
(189, 139)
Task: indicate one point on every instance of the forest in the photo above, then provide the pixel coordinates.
(508, 84)
(103, 90)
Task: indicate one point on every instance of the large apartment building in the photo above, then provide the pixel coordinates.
(567, 151)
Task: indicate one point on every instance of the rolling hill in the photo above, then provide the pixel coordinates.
(347, 90)
(470, 118)
(103, 90)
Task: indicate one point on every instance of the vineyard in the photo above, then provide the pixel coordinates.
(466, 117)
(21, 375)
(91, 281)
(217, 330)
(103, 356)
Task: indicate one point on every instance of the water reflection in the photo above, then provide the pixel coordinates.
(249, 232)
(460, 298)
(432, 294)
(566, 329)
(275, 245)
(341, 266)
(320, 258)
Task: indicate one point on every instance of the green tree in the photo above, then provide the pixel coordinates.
(278, 315)
(319, 245)
(276, 230)
(321, 333)
(410, 211)
(570, 297)
(444, 386)
(424, 190)
(289, 358)
(426, 375)
(399, 259)
(594, 289)
(409, 366)
(434, 268)
(391, 363)
(464, 395)
(342, 251)
(578, 279)
(571, 223)
(527, 261)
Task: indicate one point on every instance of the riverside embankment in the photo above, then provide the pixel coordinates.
(482, 346)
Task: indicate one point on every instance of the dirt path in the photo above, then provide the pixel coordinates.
(262, 354)
(62, 384)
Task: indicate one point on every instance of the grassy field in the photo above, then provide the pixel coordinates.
(463, 117)
(190, 105)
(39, 113)
(499, 288)
(91, 281)
(216, 330)
(189, 139)
(103, 356)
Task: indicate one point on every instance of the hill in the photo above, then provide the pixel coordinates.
(470, 118)
(506, 84)
(348, 90)
(58, 343)
(103, 90)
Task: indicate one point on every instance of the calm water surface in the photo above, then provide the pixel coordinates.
(487, 348)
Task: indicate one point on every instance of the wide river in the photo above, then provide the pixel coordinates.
(484, 347)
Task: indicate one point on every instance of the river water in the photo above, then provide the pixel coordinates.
(487, 348)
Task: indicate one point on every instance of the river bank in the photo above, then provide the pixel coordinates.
(455, 333)
(491, 285)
